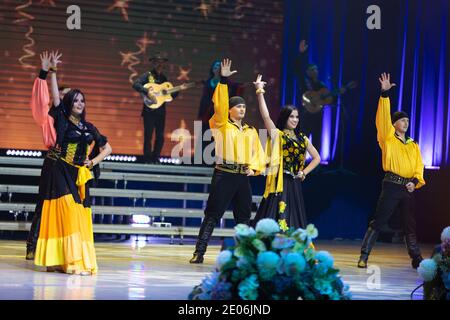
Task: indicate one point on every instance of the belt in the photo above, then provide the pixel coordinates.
(291, 174)
(395, 178)
(233, 168)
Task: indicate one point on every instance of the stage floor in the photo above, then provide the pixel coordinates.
(154, 270)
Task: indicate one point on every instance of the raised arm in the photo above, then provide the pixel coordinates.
(268, 123)
(220, 96)
(40, 97)
(383, 121)
(300, 65)
(55, 60)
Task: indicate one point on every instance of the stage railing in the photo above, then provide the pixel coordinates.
(184, 175)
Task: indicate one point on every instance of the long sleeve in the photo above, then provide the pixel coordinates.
(138, 85)
(258, 161)
(221, 105)
(385, 129)
(300, 71)
(418, 172)
(40, 99)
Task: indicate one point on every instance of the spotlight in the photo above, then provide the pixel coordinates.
(140, 219)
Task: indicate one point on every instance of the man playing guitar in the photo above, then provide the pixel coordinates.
(309, 84)
(154, 118)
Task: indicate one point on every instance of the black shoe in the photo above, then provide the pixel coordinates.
(205, 233)
(30, 255)
(196, 258)
(415, 262)
(362, 263)
(366, 247)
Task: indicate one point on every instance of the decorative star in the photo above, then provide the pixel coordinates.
(127, 57)
(50, 2)
(204, 9)
(122, 5)
(143, 42)
(183, 74)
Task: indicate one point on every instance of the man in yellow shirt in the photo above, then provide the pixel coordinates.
(239, 154)
(403, 165)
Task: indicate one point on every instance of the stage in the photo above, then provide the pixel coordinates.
(156, 270)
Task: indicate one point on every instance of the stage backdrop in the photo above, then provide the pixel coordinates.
(112, 48)
(413, 44)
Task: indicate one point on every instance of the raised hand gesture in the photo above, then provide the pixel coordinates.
(259, 84)
(303, 46)
(55, 59)
(45, 61)
(385, 81)
(225, 68)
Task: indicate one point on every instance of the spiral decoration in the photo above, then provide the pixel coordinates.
(27, 48)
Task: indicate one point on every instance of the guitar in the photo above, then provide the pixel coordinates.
(313, 101)
(161, 93)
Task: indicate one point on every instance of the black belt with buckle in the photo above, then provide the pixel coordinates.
(395, 178)
(233, 168)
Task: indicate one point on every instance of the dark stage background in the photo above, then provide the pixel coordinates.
(414, 46)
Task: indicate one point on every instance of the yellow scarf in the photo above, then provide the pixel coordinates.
(274, 155)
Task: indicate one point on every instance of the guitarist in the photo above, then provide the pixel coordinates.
(308, 80)
(154, 119)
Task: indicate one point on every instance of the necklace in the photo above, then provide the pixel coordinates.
(75, 120)
(290, 133)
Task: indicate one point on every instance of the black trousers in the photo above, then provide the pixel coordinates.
(395, 197)
(229, 188)
(153, 120)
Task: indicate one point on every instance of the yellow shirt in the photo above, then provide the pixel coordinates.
(234, 144)
(401, 158)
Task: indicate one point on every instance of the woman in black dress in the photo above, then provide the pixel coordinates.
(286, 148)
(66, 240)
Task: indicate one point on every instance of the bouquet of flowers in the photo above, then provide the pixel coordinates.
(266, 264)
(435, 272)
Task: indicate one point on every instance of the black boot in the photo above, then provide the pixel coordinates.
(30, 253)
(206, 230)
(369, 240)
(413, 250)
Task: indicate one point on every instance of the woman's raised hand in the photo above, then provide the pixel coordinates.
(55, 59)
(259, 84)
(225, 68)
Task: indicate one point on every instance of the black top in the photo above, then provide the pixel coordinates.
(294, 152)
(151, 77)
(74, 140)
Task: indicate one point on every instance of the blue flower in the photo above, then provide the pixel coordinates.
(325, 261)
(248, 288)
(293, 263)
(267, 226)
(221, 291)
(446, 279)
(281, 242)
(427, 269)
(243, 231)
(209, 282)
(223, 257)
(267, 264)
(243, 263)
(311, 231)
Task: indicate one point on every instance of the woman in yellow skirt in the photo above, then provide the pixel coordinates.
(66, 240)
